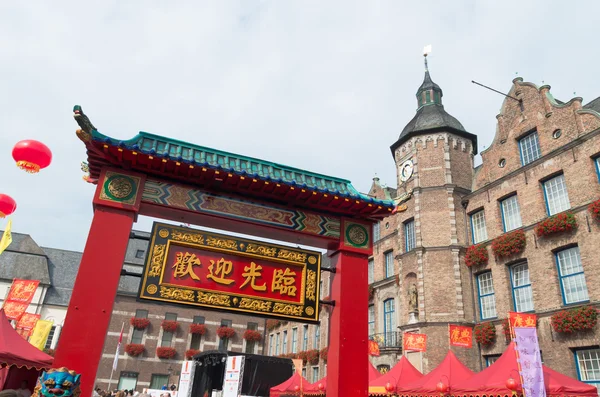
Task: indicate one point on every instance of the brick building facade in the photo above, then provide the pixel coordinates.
(544, 160)
(148, 370)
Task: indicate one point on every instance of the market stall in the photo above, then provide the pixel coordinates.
(319, 388)
(19, 360)
(449, 373)
(403, 373)
(501, 376)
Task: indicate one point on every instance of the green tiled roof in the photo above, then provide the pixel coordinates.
(183, 152)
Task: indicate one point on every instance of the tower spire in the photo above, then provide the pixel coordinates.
(426, 51)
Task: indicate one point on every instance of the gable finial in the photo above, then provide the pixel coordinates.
(426, 51)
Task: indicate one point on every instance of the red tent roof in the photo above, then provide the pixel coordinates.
(450, 371)
(403, 373)
(492, 380)
(314, 389)
(289, 386)
(14, 350)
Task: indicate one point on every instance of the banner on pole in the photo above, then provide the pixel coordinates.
(414, 342)
(41, 333)
(461, 336)
(26, 324)
(373, 348)
(522, 320)
(19, 297)
(530, 361)
(6, 237)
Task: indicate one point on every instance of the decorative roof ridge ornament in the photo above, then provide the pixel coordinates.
(426, 51)
(86, 126)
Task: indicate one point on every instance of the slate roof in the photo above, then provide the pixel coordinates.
(62, 267)
(593, 105)
(24, 259)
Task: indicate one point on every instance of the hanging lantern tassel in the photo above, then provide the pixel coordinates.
(31, 156)
(7, 205)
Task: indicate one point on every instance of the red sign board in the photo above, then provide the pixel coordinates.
(198, 268)
(19, 297)
(414, 342)
(26, 324)
(461, 336)
(373, 348)
(522, 320)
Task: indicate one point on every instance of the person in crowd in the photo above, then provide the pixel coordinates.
(164, 387)
(173, 387)
(24, 390)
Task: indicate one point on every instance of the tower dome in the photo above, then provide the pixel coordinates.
(431, 115)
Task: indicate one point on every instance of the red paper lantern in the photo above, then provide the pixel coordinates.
(511, 384)
(389, 387)
(7, 205)
(296, 388)
(321, 387)
(441, 387)
(32, 156)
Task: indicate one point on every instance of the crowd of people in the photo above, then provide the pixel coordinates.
(98, 392)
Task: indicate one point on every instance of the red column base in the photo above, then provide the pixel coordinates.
(348, 359)
(88, 317)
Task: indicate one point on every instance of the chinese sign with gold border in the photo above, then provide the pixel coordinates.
(204, 269)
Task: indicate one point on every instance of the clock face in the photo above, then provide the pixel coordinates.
(406, 170)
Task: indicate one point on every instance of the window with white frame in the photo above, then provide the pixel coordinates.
(50, 337)
(294, 340)
(277, 344)
(304, 372)
(530, 148)
(127, 380)
(271, 345)
(588, 366)
(572, 278)
(487, 297)
(521, 287)
(317, 342)
(511, 215)
(557, 197)
(389, 322)
(376, 232)
(284, 343)
(315, 374)
(389, 264)
(410, 239)
(597, 163)
(371, 320)
(490, 359)
(478, 227)
(305, 338)
(371, 270)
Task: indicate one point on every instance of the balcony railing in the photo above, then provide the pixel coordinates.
(388, 340)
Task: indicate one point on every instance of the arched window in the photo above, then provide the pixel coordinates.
(389, 322)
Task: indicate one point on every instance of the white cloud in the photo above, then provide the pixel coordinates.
(324, 86)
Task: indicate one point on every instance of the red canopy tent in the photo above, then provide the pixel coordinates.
(451, 372)
(403, 373)
(296, 385)
(19, 360)
(320, 387)
(492, 380)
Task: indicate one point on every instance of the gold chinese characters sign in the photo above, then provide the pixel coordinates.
(215, 271)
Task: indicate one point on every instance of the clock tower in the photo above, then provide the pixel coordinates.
(434, 163)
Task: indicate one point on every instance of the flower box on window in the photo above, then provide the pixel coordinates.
(272, 324)
(166, 352)
(197, 329)
(312, 356)
(139, 323)
(323, 353)
(252, 336)
(371, 292)
(303, 356)
(485, 334)
(508, 244)
(169, 326)
(579, 319)
(476, 255)
(225, 332)
(559, 223)
(594, 209)
(190, 353)
(506, 330)
(134, 350)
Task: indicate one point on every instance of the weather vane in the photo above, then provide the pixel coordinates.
(426, 51)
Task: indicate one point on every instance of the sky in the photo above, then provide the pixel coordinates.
(325, 86)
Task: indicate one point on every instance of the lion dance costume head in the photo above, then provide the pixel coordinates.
(58, 382)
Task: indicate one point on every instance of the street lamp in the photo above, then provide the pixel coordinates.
(170, 371)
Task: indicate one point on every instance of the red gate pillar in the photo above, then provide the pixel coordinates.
(116, 203)
(347, 362)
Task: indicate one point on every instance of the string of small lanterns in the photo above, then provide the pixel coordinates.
(31, 156)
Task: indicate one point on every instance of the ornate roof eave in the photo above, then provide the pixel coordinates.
(236, 174)
(455, 131)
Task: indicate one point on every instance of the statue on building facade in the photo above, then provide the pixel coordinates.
(413, 304)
